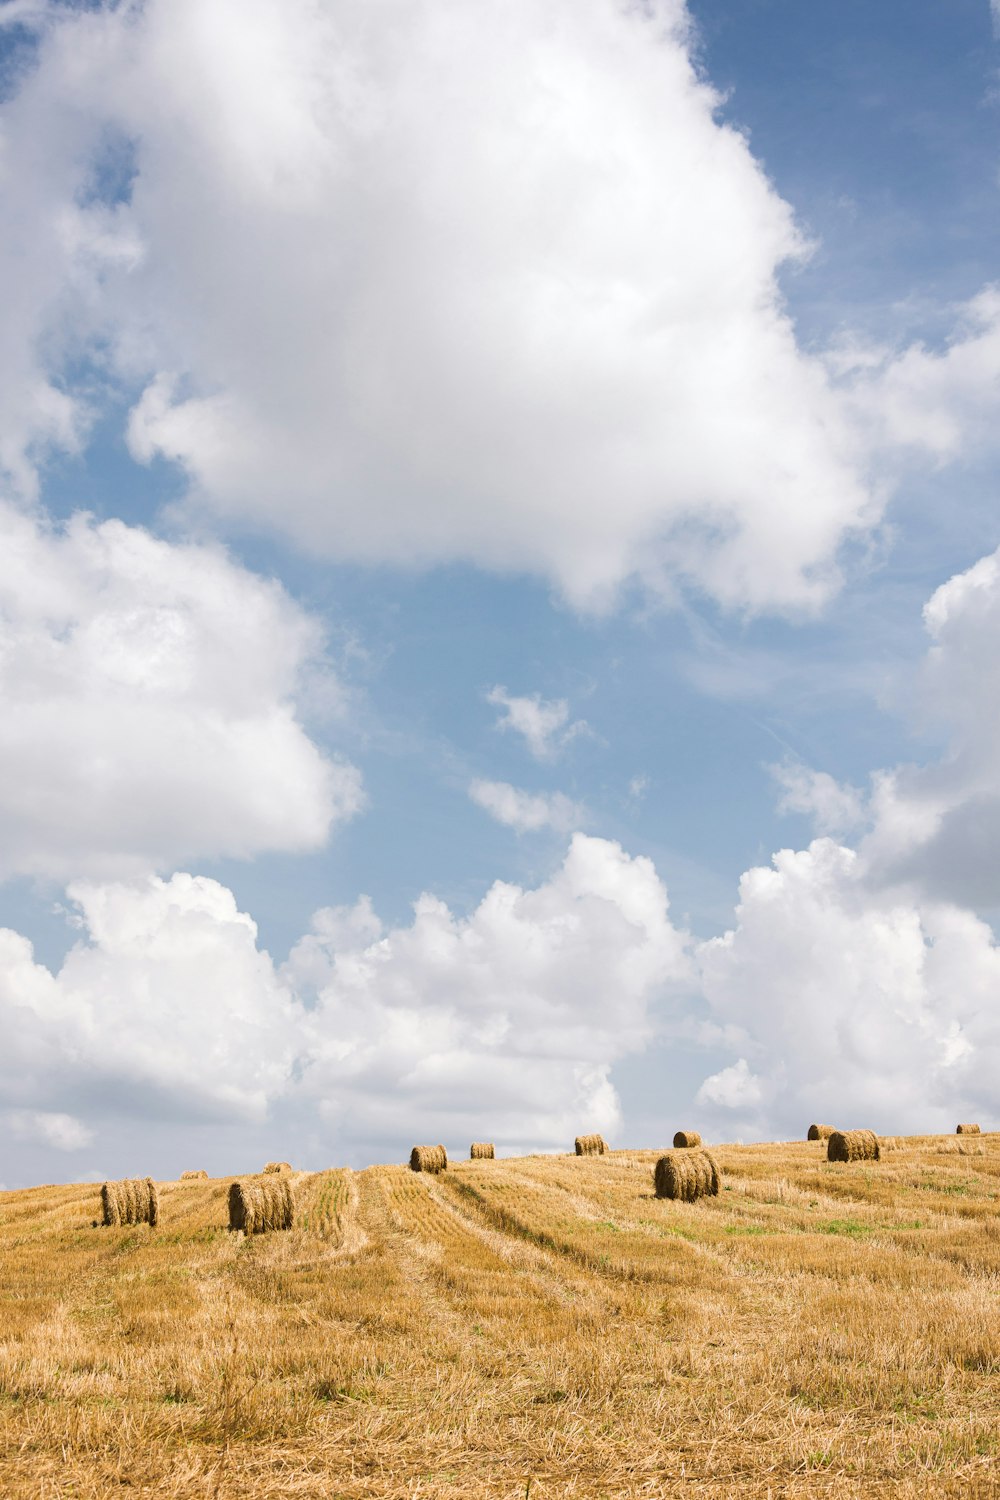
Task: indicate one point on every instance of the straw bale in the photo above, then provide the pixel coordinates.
(819, 1132)
(134, 1200)
(482, 1151)
(428, 1159)
(686, 1175)
(687, 1138)
(191, 1176)
(277, 1166)
(257, 1204)
(853, 1145)
(967, 1130)
(590, 1145)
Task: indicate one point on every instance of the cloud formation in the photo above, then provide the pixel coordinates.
(544, 723)
(152, 696)
(508, 1019)
(422, 283)
(527, 811)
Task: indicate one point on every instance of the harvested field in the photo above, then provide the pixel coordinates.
(516, 1326)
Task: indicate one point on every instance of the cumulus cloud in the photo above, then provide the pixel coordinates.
(833, 806)
(421, 282)
(509, 1018)
(853, 1004)
(47, 1128)
(544, 723)
(527, 811)
(164, 1009)
(938, 825)
(151, 705)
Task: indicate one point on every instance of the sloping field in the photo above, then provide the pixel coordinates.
(534, 1327)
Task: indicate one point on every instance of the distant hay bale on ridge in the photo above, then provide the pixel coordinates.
(134, 1200)
(819, 1132)
(967, 1130)
(482, 1151)
(277, 1166)
(686, 1175)
(428, 1159)
(590, 1145)
(193, 1176)
(853, 1145)
(687, 1138)
(258, 1204)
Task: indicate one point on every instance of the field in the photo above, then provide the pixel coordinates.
(535, 1327)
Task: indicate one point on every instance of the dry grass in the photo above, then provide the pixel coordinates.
(277, 1166)
(516, 1327)
(193, 1176)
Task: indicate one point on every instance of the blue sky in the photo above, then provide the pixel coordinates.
(498, 459)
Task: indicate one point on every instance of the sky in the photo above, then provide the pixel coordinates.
(499, 575)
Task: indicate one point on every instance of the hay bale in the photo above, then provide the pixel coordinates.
(482, 1151)
(853, 1145)
(967, 1130)
(257, 1204)
(590, 1145)
(687, 1138)
(134, 1200)
(277, 1166)
(819, 1132)
(193, 1176)
(686, 1175)
(428, 1159)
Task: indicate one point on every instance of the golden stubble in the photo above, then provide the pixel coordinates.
(541, 1326)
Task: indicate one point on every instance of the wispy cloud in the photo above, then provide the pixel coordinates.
(544, 722)
(527, 811)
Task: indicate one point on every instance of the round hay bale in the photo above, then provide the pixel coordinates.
(686, 1175)
(853, 1145)
(819, 1132)
(277, 1166)
(590, 1145)
(428, 1159)
(687, 1138)
(482, 1151)
(967, 1130)
(133, 1200)
(257, 1204)
(193, 1176)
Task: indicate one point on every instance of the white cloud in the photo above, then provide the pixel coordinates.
(543, 722)
(151, 705)
(425, 282)
(938, 825)
(731, 1088)
(527, 811)
(61, 1131)
(833, 806)
(936, 402)
(165, 1008)
(506, 1020)
(855, 1005)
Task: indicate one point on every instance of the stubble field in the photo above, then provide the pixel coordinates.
(532, 1327)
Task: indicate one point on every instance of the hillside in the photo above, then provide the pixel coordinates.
(533, 1327)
